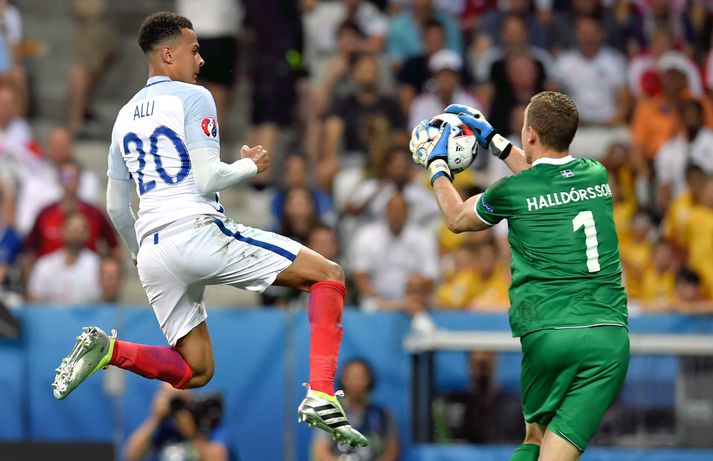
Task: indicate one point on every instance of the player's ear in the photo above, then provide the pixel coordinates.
(531, 135)
(165, 53)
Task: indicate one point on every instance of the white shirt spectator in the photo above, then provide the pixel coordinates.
(427, 105)
(53, 281)
(390, 259)
(672, 158)
(423, 209)
(593, 83)
(321, 24)
(39, 187)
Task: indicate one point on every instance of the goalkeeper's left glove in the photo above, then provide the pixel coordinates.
(437, 162)
(486, 135)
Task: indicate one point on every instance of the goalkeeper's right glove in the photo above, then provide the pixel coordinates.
(486, 135)
(437, 162)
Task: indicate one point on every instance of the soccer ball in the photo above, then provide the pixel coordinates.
(462, 145)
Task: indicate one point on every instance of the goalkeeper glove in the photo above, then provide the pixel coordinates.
(437, 161)
(486, 135)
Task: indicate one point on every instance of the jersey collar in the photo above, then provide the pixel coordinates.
(157, 79)
(553, 161)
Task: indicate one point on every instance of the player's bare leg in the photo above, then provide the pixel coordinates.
(530, 448)
(555, 448)
(325, 282)
(196, 349)
(188, 364)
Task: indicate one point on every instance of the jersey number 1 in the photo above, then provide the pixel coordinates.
(586, 219)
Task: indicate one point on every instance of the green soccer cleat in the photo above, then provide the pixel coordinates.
(323, 411)
(91, 353)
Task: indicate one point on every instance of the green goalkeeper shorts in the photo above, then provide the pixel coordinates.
(570, 377)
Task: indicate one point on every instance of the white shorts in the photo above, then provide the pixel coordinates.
(176, 264)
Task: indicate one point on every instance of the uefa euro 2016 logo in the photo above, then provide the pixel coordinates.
(210, 127)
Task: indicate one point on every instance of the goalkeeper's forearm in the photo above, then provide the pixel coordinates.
(516, 161)
(212, 175)
(118, 206)
(459, 215)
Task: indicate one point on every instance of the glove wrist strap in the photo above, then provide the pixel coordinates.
(439, 168)
(500, 146)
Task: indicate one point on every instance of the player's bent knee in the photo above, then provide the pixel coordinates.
(201, 377)
(334, 272)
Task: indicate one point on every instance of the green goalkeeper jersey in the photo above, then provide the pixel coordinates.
(566, 271)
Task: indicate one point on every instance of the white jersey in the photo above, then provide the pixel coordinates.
(150, 142)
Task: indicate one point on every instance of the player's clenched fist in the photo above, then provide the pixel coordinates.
(258, 155)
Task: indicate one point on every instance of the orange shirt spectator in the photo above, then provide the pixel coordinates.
(657, 120)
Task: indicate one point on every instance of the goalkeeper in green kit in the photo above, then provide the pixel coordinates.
(568, 306)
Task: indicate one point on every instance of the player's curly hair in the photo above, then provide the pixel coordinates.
(161, 26)
(554, 117)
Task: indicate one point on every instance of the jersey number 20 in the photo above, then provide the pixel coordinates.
(586, 219)
(132, 138)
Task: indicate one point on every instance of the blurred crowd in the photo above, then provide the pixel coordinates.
(335, 87)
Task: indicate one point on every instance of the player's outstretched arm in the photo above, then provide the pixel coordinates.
(459, 215)
(212, 175)
(118, 206)
(497, 145)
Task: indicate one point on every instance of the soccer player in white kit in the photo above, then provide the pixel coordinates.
(166, 140)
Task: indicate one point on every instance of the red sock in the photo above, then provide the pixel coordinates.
(326, 303)
(153, 362)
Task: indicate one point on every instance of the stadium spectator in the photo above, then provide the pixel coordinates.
(447, 68)
(487, 67)
(368, 200)
(69, 275)
(624, 209)
(371, 419)
(690, 296)
(15, 132)
(482, 413)
(618, 30)
(515, 79)
(324, 21)
(679, 210)
(96, 48)
(415, 73)
(643, 75)
(595, 77)
(325, 241)
(658, 280)
(111, 280)
(40, 185)
(491, 289)
(295, 175)
(697, 234)
(275, 67)
(385, 255)
(46, 235)
(692, 145)
(656, 119)
(355, 120)
(180, 427)
(460, 280)
(488, 34)
(299, 213)
(407, 28)
(674, 15)
(216, 25)
(11, 70)
(635, 251)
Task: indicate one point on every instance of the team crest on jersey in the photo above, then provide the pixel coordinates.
(210, 127)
